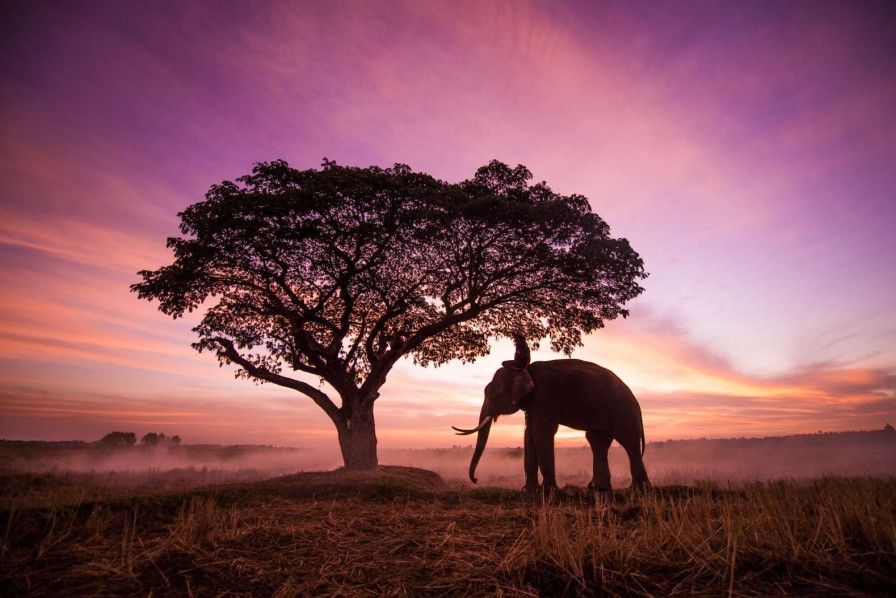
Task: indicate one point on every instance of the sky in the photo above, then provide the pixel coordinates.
(747, 150)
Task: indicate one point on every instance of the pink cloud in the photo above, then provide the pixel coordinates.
(747, 161)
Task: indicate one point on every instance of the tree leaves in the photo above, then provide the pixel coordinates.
(339, 272)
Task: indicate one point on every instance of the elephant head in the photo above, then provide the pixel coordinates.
(503, 396)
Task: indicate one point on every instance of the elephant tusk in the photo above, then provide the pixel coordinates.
(462, 432)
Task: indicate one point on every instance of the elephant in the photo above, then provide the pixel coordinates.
(577, 394)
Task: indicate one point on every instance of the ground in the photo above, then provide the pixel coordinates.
(404, 531)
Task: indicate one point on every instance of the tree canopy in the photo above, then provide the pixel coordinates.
(339, 272)
(159, 439)
(118, 439)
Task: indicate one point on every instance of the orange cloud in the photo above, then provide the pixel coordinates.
(750, 171)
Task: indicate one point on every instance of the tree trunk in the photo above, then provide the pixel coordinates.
(357, 438)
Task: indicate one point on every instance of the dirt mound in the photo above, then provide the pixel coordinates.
(387, 482)
(414, 474)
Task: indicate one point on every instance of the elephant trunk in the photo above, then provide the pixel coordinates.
(481, 439)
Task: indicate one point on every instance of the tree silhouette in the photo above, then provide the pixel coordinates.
(340, 272)
(153, 439)
(118, 439)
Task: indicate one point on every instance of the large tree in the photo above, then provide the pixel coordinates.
(340, 272)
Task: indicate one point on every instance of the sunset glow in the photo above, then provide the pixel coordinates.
(746, 150)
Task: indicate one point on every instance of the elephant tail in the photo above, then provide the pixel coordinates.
(643, 439)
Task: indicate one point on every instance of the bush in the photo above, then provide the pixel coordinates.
(118, 439)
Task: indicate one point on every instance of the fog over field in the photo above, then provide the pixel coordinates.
(670, 462)
(66, 457)
(685, 462)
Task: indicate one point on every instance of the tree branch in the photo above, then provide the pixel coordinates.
(323, 401)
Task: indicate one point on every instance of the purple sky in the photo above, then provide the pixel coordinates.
(747, 151)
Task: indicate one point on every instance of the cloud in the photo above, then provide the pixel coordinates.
(746, 159)
(63, 415)
(92, 244)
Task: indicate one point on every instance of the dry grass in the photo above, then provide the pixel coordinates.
(401, 531)
(831, 536)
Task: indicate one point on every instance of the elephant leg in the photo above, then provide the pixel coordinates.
(543, 435)
(639, 473)
(530, 459)
(600, 443)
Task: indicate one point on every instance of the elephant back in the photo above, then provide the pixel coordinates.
(581, 394)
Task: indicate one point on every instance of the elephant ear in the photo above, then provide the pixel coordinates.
(522, 386)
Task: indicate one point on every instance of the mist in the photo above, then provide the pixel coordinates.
(671, 462)
(99, 470)
(681, 462)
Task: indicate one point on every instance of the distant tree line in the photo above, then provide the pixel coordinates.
(130, 439)
(153, 439)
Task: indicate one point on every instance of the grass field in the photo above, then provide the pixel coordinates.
(403, 531)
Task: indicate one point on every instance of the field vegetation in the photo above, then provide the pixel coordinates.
(404, 531)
